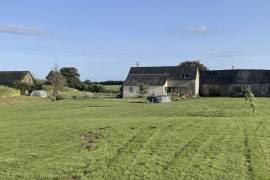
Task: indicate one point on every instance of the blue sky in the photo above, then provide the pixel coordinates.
(104, 38)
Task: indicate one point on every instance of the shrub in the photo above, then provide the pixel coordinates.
(120, 94)
(23, 87)
(59, 97)
(143, 89)
(97, 88)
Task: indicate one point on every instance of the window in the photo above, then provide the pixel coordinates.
(130, 89)
(186, 76)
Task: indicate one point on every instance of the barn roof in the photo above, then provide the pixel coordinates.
(237, 76)
(7, 77)
(158, 75)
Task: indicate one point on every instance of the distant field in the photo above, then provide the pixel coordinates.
(115, 88)
(205, 138)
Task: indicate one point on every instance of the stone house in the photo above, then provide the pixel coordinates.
(7, 77)
(235, 82)
(162, 80)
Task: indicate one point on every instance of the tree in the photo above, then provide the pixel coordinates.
(120, 94)
(88, 82)
(197, 64)
(71, 76)
(23, 87)
(56, 79)
(143, 89)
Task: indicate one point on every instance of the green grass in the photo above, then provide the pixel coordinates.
(113, 88)
(204, 138)
(8, 92)
(68, 92)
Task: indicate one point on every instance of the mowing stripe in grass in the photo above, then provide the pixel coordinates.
(123, 157)
(206, 155)
(147, 166)
(187, 154)
(151, 158)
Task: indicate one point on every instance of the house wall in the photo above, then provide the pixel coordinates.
(156, 90)
(28, 79)
(192, 86)
(197, 84)
(215, 90)
(260, 90)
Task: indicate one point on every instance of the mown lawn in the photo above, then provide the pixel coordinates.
(205, 138)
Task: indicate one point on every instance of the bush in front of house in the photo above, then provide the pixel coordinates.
(120, 94)
(23, 87)
(8, 92)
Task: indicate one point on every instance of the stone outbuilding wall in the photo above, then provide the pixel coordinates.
(234, 90)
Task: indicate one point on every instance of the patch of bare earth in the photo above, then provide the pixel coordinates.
(90, 138)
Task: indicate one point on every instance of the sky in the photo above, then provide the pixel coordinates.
(104, 38)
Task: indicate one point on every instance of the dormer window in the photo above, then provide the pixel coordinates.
(186, 76)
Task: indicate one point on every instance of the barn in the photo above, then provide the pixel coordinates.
(235, 82)
(8, 77)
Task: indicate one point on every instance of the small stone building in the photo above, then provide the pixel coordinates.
(7, 77)
(235, 82)
(162, 80)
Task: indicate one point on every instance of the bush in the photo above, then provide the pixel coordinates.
(59, 97)
(97, 88)
(23, 87)
(120, 94)
(8, 92)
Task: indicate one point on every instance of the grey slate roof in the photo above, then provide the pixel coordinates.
(7, 77)
(157, 76)
(237, 76)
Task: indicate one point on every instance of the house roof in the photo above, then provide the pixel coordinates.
(7, 77)
(158, 75)
(237, 76)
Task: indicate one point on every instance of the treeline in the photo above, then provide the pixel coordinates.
(71, 78)
(110, 82)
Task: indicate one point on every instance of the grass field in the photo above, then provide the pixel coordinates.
(113, 88)
(205, 138)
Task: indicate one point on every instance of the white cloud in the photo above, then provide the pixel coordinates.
(14, 29)
(201, 29)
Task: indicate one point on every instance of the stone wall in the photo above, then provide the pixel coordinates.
(236, 90)
(190, 85)
(28, 79)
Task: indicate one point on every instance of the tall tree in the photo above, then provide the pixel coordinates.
(56, 79)
(71, 76)
(195, 63)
